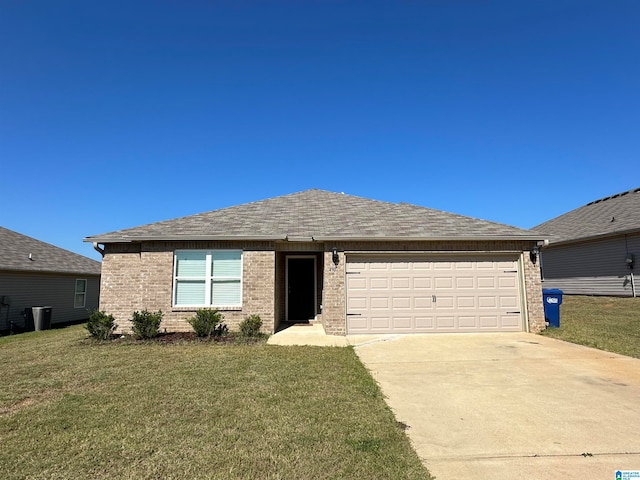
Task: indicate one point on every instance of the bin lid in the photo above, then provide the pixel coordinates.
(551, 291)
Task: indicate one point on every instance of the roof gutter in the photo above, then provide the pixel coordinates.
(431, 238)
(187, 238)
(595, 237)
(329, 238)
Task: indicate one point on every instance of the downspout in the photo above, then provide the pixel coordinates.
(629, 261)
(97, 248)
(541, 244)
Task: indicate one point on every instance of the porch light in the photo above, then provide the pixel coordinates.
(533, 254)
(335, 257)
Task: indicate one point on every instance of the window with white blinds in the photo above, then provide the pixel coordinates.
(211, 278)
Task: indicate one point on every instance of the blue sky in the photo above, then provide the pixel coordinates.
(116, 114)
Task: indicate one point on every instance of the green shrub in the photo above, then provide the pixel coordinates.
(250, 326)
(206, 321)
(100, 325)
(146, 324)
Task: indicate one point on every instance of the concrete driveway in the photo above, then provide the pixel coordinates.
(511, 406)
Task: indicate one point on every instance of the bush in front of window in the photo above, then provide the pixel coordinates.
(100, 325)
(207, 322)
(250, 326)
(146, 324)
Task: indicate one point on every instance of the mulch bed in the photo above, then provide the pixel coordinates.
(169, 338)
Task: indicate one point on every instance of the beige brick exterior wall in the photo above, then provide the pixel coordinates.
(334, 295)
(140, 276)
(533, 292)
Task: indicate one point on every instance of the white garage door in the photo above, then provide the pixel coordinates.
(432, 294)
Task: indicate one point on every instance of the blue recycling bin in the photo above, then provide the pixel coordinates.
(552, 299)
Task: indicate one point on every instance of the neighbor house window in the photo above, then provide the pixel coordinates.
(81, 294)
(211, 278)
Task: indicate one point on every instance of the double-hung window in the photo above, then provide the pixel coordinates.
(80, 299)
(207, 278)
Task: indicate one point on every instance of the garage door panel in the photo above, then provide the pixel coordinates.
(508, 302)
(510, 321)
(486, 301)
(444, 322)
(400, 266)
(430, 294)
(381, 323)
(356, 283)
(381, 283)
(488, 321)
(466, 302)
(464, 265)
(357, 303)
(422, 303)
(424, 323)
(358, 324)
(443, 302)
(402, 323)
(507, 265)
(443, 282)
(470, 322)
(421, 266)
(401, 302)
(507, 282)
(379, 303)
(378, 266)
(423, 283)
(401, 283)
(487, 282)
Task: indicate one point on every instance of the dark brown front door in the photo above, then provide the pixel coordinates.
(301, 289)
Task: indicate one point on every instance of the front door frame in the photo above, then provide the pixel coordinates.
(286, 283)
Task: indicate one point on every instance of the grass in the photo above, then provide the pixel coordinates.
(607, 323)
(74, 408)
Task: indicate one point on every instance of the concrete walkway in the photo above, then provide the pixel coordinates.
(511, 406)
(314, 335)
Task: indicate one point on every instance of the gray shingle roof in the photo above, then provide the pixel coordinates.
(15, 249)
(319, 215)
(608, 216)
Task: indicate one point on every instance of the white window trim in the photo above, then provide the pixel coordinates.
(76, 293)
(208, 279)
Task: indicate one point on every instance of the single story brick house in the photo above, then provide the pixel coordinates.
(36, 273)
(594, 249)
(354, 264)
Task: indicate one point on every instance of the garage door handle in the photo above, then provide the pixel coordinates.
(512, 312)
(510, 271)
(352, 314)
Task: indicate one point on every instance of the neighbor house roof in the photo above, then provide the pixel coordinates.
(22, 253)
(322, 216)
(613, 215)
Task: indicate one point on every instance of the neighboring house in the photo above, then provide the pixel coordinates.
(354, 264)
(593, 249)
(35, 273)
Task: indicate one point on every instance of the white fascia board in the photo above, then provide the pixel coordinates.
(186, 238)
(431, 239)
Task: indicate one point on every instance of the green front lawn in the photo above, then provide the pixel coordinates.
(72, 408)
(607, 323)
